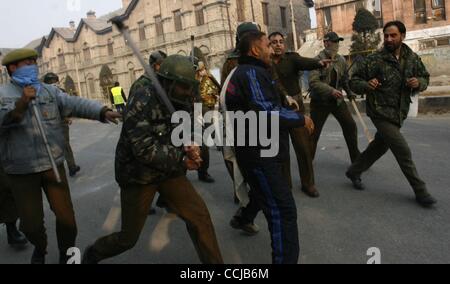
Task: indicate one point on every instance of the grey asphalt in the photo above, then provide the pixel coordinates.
(339, 227)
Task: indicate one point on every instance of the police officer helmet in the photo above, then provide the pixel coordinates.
(50, 78)
(157, 57)
(179, 70)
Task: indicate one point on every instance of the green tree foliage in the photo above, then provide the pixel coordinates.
(365, 36)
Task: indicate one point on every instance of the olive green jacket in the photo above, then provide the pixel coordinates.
(320, 81)
(392, 99)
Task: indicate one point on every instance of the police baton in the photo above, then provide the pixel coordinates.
(361, 120)
(44, 137)
(117, 21)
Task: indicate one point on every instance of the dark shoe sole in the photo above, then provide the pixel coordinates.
(314, 194)
(356, 186)
(235, 225)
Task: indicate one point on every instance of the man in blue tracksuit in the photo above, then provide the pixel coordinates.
(251, 88)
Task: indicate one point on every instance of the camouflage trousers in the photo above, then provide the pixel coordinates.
(181, 197)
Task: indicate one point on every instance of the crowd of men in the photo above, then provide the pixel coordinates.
(260, 76)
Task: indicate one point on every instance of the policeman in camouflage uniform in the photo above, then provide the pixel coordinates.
(156, 59)
(326, 95)
(288, 67)
(389, 78)
(147, 162)
(232, 60)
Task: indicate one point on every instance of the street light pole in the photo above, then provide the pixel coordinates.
(253, 11)
(294, 28)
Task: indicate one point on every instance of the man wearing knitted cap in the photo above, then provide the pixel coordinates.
(23, 153)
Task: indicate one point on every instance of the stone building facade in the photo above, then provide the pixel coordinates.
(90, 57)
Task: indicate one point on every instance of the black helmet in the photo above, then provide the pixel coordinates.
(157, 57)
(50, 78)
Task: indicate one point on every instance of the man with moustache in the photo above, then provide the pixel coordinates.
(288, 67)
(390, 77)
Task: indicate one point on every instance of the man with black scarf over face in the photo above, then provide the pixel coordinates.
(147, 162)
(327, 98)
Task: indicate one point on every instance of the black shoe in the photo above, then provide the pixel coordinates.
(426, 200)
(311, 191)
(15, 237)
(205, 177)
(73, 172)
(37, 257)
(250, 228)
(89, 256)
(356, 180)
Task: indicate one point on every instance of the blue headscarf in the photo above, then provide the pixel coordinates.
(27, 76)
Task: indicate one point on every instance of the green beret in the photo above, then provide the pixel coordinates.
(19, 55)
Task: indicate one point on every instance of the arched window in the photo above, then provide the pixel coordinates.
(86, 52)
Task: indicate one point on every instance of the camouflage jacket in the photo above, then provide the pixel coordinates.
(144, 153)
(324, 81)
(392, 99)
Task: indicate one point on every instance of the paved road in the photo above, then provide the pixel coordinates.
(337, 228)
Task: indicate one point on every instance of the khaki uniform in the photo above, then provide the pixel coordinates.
(288, 71)
(322, 83)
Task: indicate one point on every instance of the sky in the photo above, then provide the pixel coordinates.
(25, 20)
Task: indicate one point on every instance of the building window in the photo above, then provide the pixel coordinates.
(159, 26)
(359, 5)
(142, 36)
(427, 44)
(240, 7)
(86, 52)
(443, 41)
(110, 48)
(420, 12)
(283, 17)
(265, 8)
(199, 15)
(61, 61)
(327, 18)
(438, 10)
(177, 20)
(91, 86)
(378, 13)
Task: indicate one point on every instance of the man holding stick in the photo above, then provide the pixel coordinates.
(24, 154)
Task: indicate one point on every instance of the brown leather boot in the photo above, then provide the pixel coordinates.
(311, 191)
